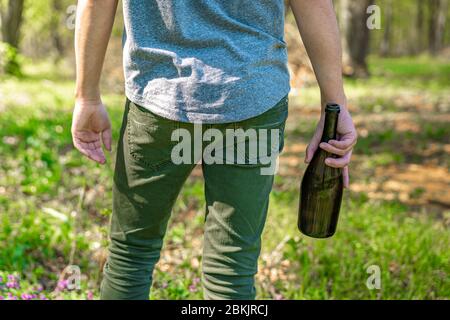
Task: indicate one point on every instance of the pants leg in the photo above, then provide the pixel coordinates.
(237, 198)
(146, 185)
(236, 213)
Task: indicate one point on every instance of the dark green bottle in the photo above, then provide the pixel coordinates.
(322, 187)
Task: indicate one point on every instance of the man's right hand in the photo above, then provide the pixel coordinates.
(90, 128)
(90, 123)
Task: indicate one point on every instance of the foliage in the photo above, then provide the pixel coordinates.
(55, 204)
(10, 60)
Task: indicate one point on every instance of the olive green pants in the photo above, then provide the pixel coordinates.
(146, 185)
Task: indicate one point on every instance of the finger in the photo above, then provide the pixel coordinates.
(347, 142)
(96, 155)
(312, 147)
(346, 176)
(99, 156)
(307, 156)
(310, 150)
(94, 145)
(93, 154)
(331, 149)
(91, 150)
(338, 162)
(107, 138)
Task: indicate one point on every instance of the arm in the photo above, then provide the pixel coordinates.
(90, 122)
(316, 21)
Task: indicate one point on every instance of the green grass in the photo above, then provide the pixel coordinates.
(41, 174)
(419, 72)
(411, 253)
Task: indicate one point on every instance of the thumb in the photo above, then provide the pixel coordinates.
(107, 138)
(311, 149)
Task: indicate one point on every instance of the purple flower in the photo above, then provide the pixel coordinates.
(62, 284)
(11, 277)
(90, 295)
(164, 285)
(2, 298)
(1, 279)
(39, 288)
(192, 288)
(42, 297)
(26, 296)
(196, 281)
(12, 285)
(11, 296)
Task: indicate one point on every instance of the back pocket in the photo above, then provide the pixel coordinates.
(149, 137)
(269, 130)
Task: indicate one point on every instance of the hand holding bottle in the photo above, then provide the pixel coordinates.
(342, 147)
(322, 185)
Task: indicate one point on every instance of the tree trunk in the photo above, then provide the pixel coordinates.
(386, 42)
(55, 28)
(420, 25)
(436, 24)
(11, 20)
(355, 37)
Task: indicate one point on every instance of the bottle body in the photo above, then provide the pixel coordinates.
(321, 188)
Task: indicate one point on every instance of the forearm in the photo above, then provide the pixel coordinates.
(317, 23)
(94, 23)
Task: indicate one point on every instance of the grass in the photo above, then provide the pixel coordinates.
(55, 204)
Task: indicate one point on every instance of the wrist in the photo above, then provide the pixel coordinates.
(91, 94)
(88, 103)
(84, 98)
(338, 98)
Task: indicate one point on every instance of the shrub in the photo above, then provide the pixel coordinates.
(9, 60)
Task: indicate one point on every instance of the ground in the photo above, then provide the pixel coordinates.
(55, 204)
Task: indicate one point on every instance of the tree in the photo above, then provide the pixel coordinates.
(420, 24)
(11, 20)
(436, 24)
(386, 41)
(55, 23)
(355, 36)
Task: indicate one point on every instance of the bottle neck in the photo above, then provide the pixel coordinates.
(330, 126)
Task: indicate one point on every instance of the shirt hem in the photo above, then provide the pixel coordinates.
(195, 117)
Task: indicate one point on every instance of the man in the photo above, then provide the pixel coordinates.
(219, 63)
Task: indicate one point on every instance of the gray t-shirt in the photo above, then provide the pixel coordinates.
(209, 61)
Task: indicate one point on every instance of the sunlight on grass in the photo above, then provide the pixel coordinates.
(40, 172)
